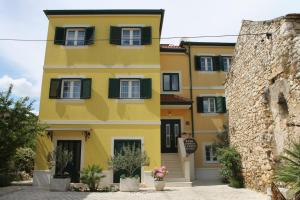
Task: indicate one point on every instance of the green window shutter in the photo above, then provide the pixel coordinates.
(197, 63)
(114, 88)
(146, 88)
(60, 36)
(220, 105)
(55, 88)
(115, 35)
(200, 104)
(86, 87)
(89, 35)
(216, 63)
(146, 35)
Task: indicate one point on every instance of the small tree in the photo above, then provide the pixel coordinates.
(61, 158)
(129, 159)
(24, 160)
(92, 176)
(288, 172)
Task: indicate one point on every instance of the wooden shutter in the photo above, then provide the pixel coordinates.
(60, 36)
(114, 88)
(115, 35)
(146, 35)
(216, 63)
(198, 63)
(86, 87)
(200, 104)
(89, 35)
(220, 105)
(55, 88)
(146, 88)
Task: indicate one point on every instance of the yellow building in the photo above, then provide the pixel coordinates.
(107, 82)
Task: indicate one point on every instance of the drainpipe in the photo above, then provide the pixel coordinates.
(191, 88)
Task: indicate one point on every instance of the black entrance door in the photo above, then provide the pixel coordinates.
(73, 167)
(118, 145)
(170, 131)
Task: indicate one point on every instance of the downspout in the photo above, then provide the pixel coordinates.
(191, 89)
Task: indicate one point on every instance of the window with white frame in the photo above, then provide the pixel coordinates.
(71, 89)
(210, 153)
(75, 36)
(129, 89)
(170, 81)
(206, 64)
(209, 104)
(226, 63)
(131, 36)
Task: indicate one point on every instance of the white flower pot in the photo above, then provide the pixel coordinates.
(159, 185)
(59, 184)
(129, 184)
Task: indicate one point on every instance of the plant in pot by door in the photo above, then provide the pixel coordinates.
(63, 164)
(129, 159)
(159, 175)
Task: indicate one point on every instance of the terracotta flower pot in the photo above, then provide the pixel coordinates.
(159, 185)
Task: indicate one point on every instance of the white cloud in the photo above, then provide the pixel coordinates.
(22, 87)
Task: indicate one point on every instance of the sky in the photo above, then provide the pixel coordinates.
(21, 63)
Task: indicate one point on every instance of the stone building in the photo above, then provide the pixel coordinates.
(263, 95)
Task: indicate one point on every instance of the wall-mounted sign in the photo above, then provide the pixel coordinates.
(190, 145)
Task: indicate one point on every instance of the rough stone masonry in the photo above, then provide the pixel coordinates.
(263, 95)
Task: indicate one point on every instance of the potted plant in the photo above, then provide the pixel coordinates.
(159, 175)
(92, 176)
(129, 160)
(61, 178)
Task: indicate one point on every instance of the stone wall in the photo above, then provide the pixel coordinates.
(263, 95)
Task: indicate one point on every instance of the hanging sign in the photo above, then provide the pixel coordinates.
(190, 145)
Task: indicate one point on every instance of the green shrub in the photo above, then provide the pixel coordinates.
(231, 167)
(92, 176)
(24, 160)
(288, 172)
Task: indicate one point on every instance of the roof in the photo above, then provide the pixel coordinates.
(160, 12)
(172, 99)
(230, 44)
(172, 48)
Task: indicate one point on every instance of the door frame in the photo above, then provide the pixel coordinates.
(55, 139)
(172, 118)
(126, 138)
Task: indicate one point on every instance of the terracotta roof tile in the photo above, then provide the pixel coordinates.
(172, 99)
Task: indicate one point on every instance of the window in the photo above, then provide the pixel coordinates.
(75, 37)
(176, 133)
(71, 89)
(210, 153)
(206, 64)
(170, 82)
(131, 36)
(226, 63)
(168, 136)
(209, 105)
(130, 89)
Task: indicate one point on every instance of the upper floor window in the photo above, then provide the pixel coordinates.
(71, 89)
(206, 64)
(170, 82)
(70, 36)
(226, 63)
(210, 153)
(211, 104)
(75, 37)
(129, 89)
(131, 36)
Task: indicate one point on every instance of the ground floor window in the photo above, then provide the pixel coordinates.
(210, 153)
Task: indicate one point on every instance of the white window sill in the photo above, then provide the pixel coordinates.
(71, 100)
(130, 100)
(210, 114)
(131, 46)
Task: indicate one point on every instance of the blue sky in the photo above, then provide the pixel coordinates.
(21, 63)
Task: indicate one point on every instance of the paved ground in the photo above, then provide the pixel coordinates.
(213, 192)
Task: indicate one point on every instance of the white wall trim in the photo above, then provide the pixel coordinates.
(131, 25)
(128, 76)
(72, 76)
(101, 66)
(175, 106)
(68, 129)
(130, 122)
(211, 95)
(76, 25)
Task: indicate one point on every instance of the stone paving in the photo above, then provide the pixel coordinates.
(213, 192)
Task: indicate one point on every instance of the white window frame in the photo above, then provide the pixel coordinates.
(71, 89)
(131, 37)
(205, 63)
(76, 30)
(130, 88)
(211, 161)
(228, 61)
(209, 106)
